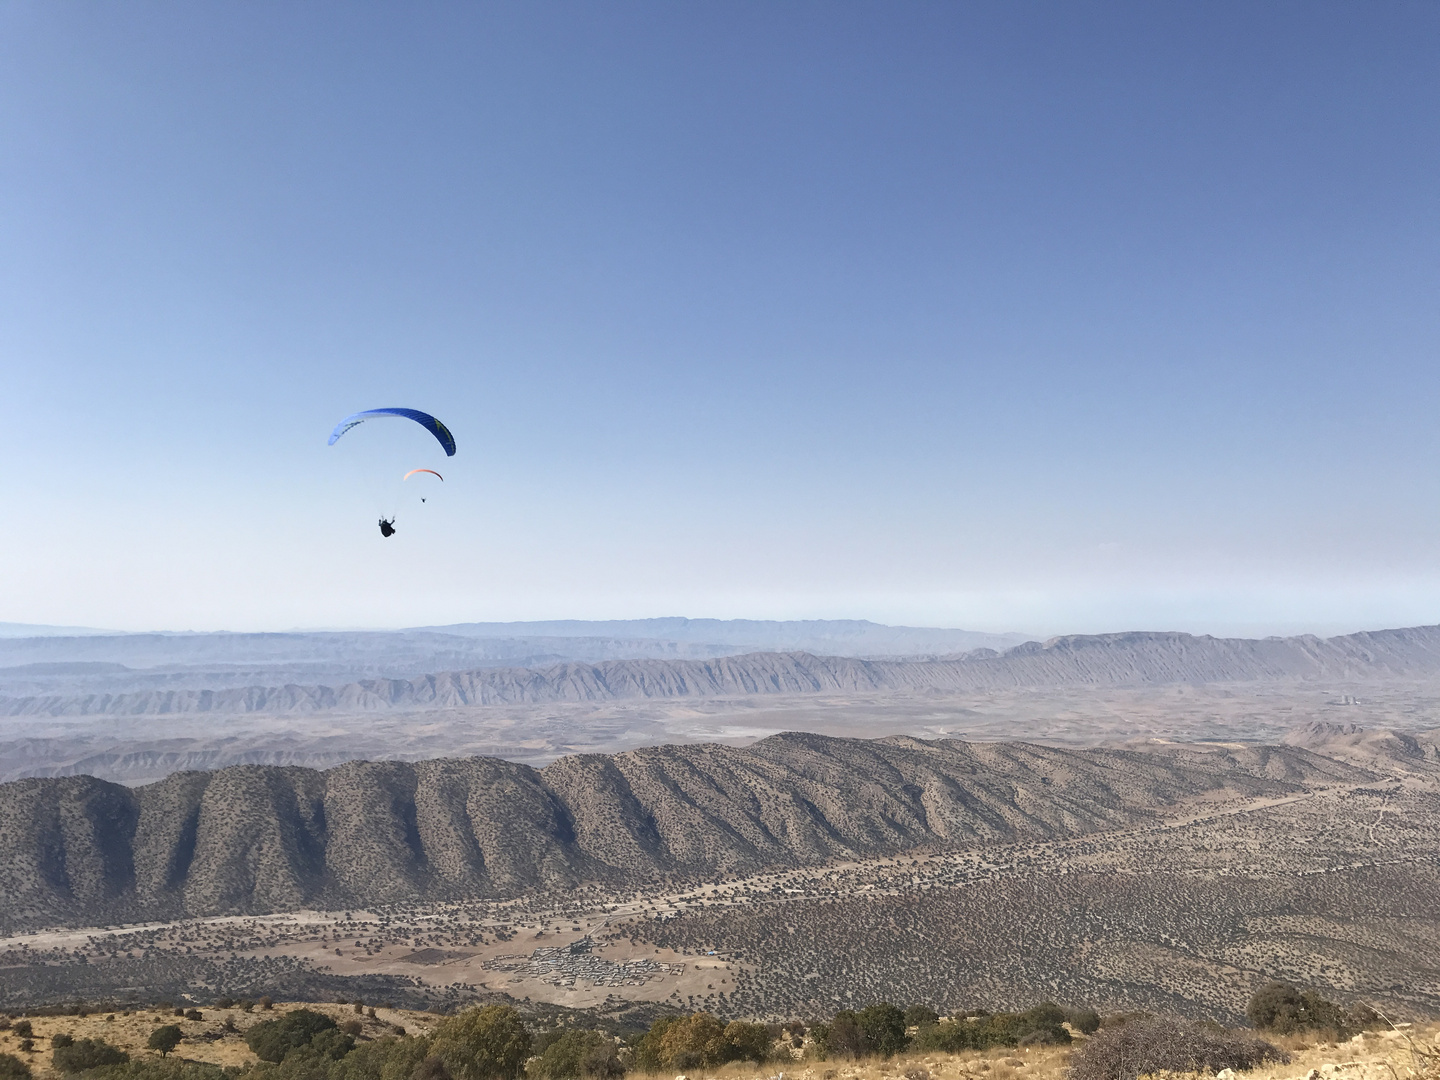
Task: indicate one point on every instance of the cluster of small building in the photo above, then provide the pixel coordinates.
(565, 965)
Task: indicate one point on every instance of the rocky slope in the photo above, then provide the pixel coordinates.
(1098, 660)
(1392, 751)
(257, 839)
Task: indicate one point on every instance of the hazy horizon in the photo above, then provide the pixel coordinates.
(1070, 318)
(11, 629)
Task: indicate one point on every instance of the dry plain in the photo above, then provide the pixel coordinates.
(136, 750)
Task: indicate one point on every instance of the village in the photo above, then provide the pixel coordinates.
(566, 965)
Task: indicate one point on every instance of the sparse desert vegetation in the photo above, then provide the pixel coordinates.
(349, 1041)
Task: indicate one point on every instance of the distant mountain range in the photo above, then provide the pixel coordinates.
(59, 660)
(260, 839)
(828, 637)
(216, 661)
(1138, 658)
(23, 630)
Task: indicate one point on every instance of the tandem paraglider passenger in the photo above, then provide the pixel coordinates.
(387, 528)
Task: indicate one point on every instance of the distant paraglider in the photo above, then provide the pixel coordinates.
(387, 528)
(432, 472)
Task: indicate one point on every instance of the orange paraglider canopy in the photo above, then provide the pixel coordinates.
(412, 472)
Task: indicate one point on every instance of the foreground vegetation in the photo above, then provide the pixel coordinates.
(497, 1042)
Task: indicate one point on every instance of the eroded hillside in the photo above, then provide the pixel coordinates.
(258, 839)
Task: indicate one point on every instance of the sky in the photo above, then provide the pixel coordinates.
(1043, 317)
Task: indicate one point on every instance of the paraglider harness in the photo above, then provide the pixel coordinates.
(387, 528)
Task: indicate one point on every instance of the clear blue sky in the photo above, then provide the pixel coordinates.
(1043, 316)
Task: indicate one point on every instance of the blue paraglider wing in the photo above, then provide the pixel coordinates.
(425, 420)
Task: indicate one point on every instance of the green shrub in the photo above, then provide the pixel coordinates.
(405, 1059)
(165, 1039)
(1276, 1006)
(1038, 1026)
(1284, 1009)
(746, 1042)
(558, 1055)
(693, 1041)
(842, 1037)
(61, 1039)
(483, 1044)
(602, 1062)
(383, 1059)
(12, 1068)
(921, 1016)
(884, 1028)
(689, 1042)
(1041, 1025)
(85, 1054)
(366, 1062)
(271, 1040)
(572, 1055)
(647, 1048)
(947, 1036)
(1144, 1047)
(150, 1068)
(299, 1064)
(333, 1044)
(876, 1029)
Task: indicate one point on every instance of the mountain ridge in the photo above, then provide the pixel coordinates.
(1128, 658)
(256, 839)
(31, 666)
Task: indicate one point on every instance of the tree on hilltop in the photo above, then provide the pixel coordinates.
(164, 1039)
